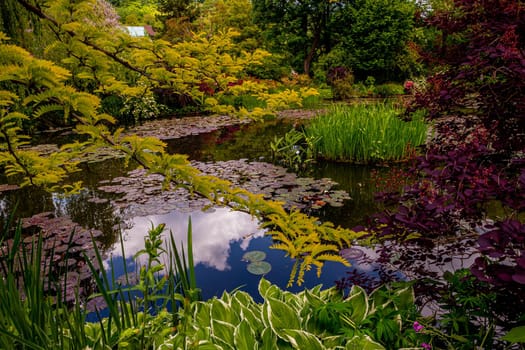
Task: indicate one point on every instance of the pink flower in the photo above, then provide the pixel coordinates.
(426, 346)
(417, 327)
(408, 86)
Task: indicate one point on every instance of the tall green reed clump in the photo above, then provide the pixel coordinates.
(366, 133)
(29, 317)
(137, 313)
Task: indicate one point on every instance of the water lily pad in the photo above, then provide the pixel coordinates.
(335, 204)
(254, 255)
(259, 267)
(351, 253)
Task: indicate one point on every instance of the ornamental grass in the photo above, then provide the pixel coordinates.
(366, 134)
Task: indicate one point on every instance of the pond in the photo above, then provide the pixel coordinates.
(221, 236)
(119, 201)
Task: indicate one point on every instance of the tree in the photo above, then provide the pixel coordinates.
(221, 15)
(188, 9)
(32, 88)
(371, 35)
(374, 36)
(23, 27)
(105, 60)
(482, 54)
(297, 29)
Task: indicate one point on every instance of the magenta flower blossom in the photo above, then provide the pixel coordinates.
(426, 346)
(417, 327)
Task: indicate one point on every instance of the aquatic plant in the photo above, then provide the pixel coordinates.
(32, 318)
(254, 255)
(259, 267)
(365, 134)
(294, 150)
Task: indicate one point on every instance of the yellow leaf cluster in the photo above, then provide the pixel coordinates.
(40, 91)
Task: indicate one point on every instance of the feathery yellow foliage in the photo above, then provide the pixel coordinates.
(39, 90)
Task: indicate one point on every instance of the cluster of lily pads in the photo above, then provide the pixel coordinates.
(140, 194)
(65, 247)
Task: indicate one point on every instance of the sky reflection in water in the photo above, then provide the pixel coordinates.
(213, 232)
(220, 239)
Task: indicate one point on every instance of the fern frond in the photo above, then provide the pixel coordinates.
(41, 110)
(333, 257)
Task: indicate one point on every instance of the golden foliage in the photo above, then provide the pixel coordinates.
(38, 90)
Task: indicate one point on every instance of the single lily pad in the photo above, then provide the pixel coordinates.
(259, 267)
(351, 253)
(254, 255)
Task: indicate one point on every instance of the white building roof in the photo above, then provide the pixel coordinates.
(137, 31)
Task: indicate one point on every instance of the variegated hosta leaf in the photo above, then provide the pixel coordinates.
(220, 310)
(202, 315)
(359, 302)
(302, 340)
(269, 340)
(244, 337)
(363, 342)
(281, 316)
(223, 333)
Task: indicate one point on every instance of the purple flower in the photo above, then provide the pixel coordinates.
(417, 327)
(426, 346)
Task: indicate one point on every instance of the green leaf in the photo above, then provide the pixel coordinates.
(266, 289)
(259, 267)
(302, 340)
(312, 299)
(252, 316)
(363, 342)
(269, 340)
(223, 332)
(515, 335)
(359, 302)
(244, 336)
(404, 297)
(334, 341)
(202, 314)
(281, 316)
(223, 312)
(254, 255)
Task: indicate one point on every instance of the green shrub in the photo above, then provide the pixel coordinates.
(136, 109)
(366, 134)
(341, 79)
(247, 101)
(389, 89)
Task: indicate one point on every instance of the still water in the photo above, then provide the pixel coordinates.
(220, 236)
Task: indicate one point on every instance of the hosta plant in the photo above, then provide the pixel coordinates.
(312, 319)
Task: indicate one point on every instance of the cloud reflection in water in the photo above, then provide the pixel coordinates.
(213, 232)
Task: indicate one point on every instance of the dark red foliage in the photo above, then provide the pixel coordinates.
(206, 88)
(478, 101)
(504, 254)
(456, 179)
(482, 49)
